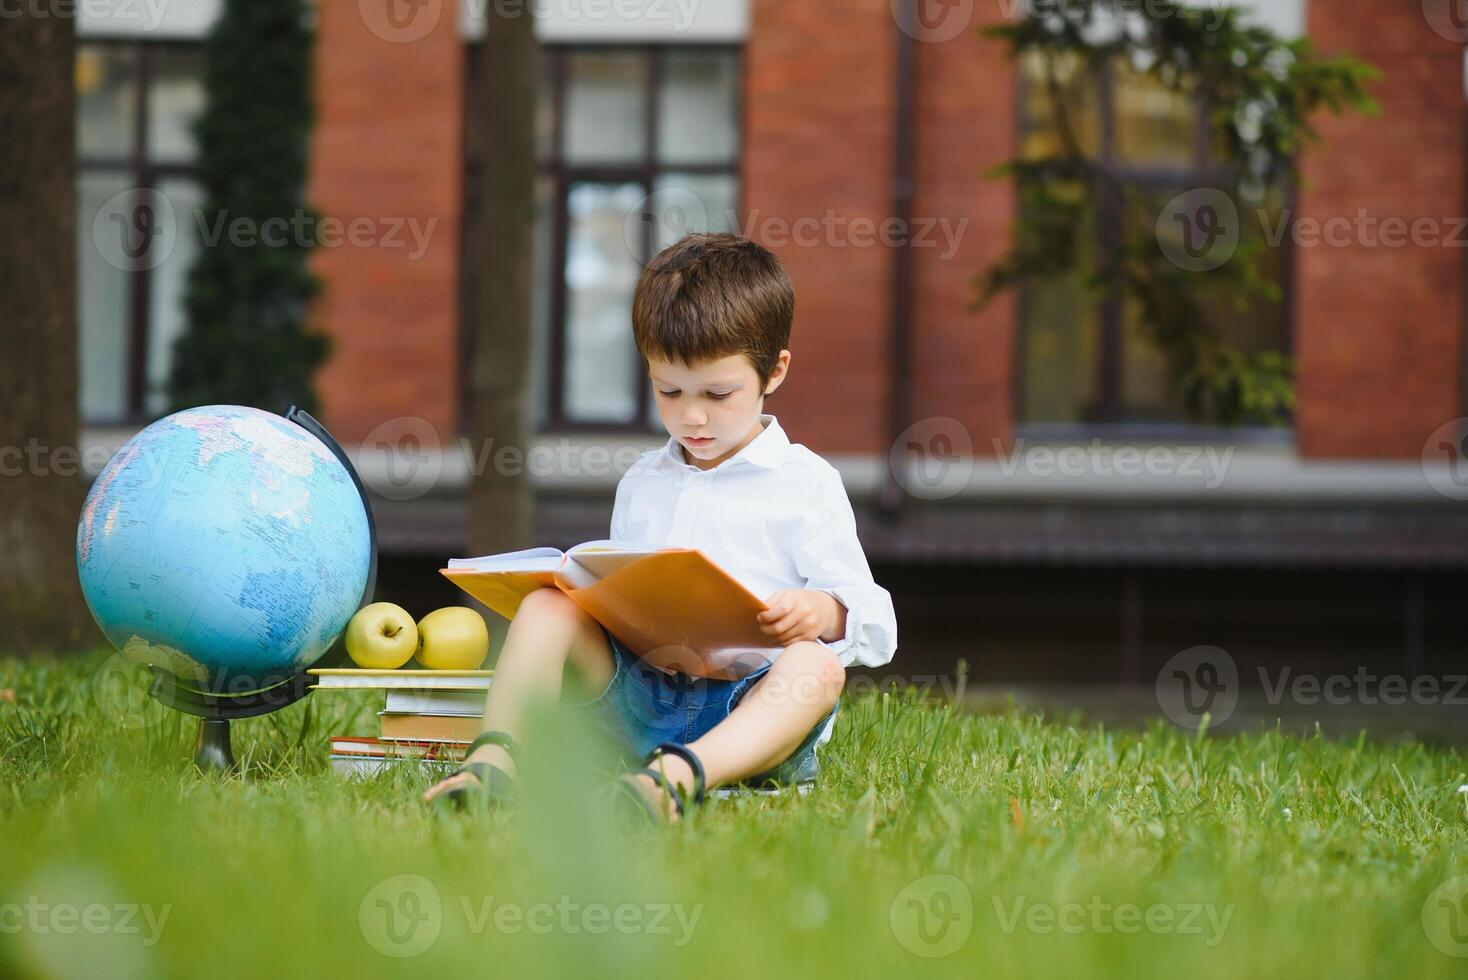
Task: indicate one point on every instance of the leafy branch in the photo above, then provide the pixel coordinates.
(1258, 93)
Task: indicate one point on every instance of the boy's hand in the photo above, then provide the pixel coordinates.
(802, 614)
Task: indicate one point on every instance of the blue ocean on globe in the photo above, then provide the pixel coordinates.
(226, 545)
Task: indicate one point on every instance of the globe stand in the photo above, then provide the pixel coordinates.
(212, 750)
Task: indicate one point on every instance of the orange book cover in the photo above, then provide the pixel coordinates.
(673, 607)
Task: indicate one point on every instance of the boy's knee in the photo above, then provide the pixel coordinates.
(814, 669)
(548, 603)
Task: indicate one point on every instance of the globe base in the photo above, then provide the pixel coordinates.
(212, 751)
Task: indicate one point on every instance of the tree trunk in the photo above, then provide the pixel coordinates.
(501, 499)
(41, 486)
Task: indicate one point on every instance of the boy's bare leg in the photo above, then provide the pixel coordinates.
(548, 632)
(769, 722)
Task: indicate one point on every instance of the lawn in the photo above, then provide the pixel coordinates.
(937, 843)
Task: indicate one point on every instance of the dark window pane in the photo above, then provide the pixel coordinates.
(166, 314)
(106, 108)
(1061, 346)
(540, 296)
(685, 203)
(601, 270)
(545, 107)
(175, 98)
(1254, 324)
(1155, 126)
(102, 305)
(606, 107)
(696, 107)
(1039, 135)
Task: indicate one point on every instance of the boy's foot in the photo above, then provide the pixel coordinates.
(487, 769)
(678, 777)
(656, 799)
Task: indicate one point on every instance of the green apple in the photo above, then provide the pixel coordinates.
(381, 636)
(452, 638)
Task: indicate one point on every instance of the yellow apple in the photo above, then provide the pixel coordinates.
(381, 636)
(452, 638)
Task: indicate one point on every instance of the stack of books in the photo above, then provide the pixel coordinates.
(428, 718)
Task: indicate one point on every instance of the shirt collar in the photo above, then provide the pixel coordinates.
(766, 449)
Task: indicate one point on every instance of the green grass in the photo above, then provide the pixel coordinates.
(1302, 857)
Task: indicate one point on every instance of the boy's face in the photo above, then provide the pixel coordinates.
(712, 408)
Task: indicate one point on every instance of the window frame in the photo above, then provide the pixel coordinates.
(563, 175)
(1118, 176)
(142, 173)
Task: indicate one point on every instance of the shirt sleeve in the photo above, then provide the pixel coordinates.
(831, 559)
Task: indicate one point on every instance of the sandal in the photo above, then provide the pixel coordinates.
(495, 785)
(680, 799)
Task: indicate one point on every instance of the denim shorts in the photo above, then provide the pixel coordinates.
(643, 706)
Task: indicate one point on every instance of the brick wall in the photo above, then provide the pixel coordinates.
(820, 91)
(818, 138)
(964, 361)
(1378, 329)
(387, 147)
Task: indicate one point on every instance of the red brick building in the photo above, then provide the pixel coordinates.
(792, 120)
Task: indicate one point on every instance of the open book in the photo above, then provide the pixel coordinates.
(673, 607)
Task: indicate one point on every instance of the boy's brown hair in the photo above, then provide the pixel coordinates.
(712, 295)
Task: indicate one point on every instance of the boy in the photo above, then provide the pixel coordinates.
(711, 316)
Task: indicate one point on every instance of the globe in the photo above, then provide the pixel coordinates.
(226, 545)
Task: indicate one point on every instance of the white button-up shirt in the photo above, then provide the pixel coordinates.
(774, 516)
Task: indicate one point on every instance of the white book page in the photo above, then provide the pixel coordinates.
(529, 560)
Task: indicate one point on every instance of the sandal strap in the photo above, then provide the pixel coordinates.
(494, 784)
(665, 784)
(504, 740)
(682, 752)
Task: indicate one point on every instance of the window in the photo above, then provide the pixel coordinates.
(637, 146)
(135, 150)
(1089, 361)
